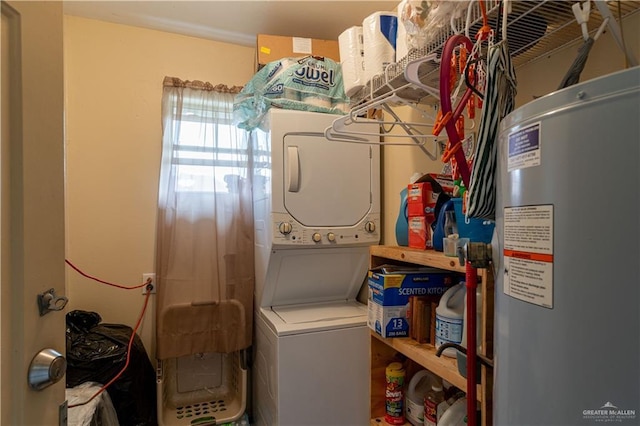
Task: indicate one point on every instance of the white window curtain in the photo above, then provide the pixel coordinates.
(204, 250)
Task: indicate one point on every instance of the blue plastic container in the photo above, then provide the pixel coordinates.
(477, 230)
(402, 222)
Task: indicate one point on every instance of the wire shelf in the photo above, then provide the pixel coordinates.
(535, 29)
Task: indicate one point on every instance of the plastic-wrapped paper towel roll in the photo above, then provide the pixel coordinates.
(351, 48)
(379, 32)
(402, 47)
(318, 101)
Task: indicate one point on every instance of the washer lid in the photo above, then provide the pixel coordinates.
(301, 314)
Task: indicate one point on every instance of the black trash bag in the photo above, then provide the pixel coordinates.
(97, 352)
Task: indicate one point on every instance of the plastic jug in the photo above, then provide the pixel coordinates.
(418, 387)
(450, 318)
(402, 222)
(439, 232)
(456, 415)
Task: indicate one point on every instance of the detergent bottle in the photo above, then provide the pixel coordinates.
(449, 318)
(418, 387)
(402, 222)
(456, 415)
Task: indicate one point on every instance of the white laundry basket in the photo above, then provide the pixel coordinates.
(203, 389)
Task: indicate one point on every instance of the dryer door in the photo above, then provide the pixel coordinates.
(326, 183)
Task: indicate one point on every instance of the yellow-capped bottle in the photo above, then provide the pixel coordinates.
(394, 394)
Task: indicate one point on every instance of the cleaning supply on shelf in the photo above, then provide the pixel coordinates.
(456, 415)
(431, 401)
(449, 318)
(444, 225)
(419, 385)
(394, 394)
(402, 222)
(451, 395)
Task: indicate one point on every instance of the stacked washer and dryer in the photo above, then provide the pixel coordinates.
(317, 211)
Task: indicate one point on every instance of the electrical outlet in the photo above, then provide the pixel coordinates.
(145, 277)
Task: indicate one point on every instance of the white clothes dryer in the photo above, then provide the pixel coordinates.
(317, 211)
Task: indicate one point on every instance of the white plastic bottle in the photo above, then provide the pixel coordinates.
(456, 414)
(419, 385)
(449, 318)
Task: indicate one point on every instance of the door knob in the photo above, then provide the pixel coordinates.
(47, 368)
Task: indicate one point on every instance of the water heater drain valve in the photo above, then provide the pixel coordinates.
(478, 254)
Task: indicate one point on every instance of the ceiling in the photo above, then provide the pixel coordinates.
(236, 22)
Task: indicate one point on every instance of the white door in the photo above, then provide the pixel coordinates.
(326, 183)
(31, 205)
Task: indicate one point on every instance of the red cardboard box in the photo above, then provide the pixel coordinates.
(419, 233)
(421, 199)
(421, 205)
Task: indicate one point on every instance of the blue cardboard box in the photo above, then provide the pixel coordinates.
(391, 286)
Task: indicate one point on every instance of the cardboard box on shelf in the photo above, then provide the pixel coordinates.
(271, 48)
(390, 288)
(420, 233)
(422, 199)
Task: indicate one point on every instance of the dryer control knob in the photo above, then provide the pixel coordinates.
(285, 228)
(370, 226)
(331, 236)
(316, 237)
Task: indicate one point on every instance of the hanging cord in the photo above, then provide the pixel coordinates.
(68, 262)
(126, 364)
(133, 332)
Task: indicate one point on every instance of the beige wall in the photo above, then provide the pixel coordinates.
(113, 78)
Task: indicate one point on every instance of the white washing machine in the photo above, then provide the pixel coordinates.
(317, 211)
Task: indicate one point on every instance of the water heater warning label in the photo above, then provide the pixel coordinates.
(524, 148)
(528, 254)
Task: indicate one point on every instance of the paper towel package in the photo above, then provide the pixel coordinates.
(402, 46)
(351, 46)
(379, 32)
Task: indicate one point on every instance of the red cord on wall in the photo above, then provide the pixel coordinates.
(133, 333)
(68, 262)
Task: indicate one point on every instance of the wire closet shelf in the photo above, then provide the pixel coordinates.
(535, 29)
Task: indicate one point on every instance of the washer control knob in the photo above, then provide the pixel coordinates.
(285, 228)
(316, 237)
(370, 226)
(331, 236)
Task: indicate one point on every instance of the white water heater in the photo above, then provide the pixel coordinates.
(567, 325)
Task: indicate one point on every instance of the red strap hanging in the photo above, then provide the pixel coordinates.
(445, 101)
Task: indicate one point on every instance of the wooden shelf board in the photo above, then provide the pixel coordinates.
(425, 355)
(379, 421)
(431, 258)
